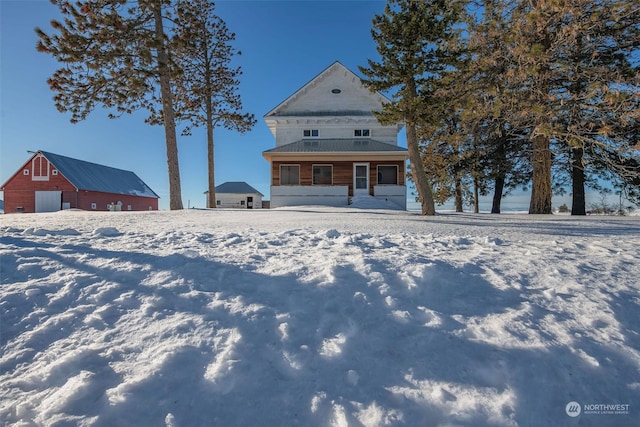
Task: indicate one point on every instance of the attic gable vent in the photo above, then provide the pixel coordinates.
(335, 91)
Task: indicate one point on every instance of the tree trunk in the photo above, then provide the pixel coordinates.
(210, 161)
(417, 168)
(210, 150)
(541, 179)
(458, 195)
(175, 192)
(476, 196)
(497, 194)
(501, 160)
(420, 178)
(578, 203)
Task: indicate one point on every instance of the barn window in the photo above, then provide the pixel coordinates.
(25, 172)
(54, 172)
(322, 174)
(388, 175)
(40, 168)
(289, 174)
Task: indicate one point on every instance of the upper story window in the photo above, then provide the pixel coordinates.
(310, 132)
(362, 133)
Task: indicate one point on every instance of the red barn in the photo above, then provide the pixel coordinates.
(49, 182)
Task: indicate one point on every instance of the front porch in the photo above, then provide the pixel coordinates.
(334, 195)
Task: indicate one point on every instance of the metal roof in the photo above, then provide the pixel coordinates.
(94, 177)
(351, 145)
(341, 113)
(236, 188)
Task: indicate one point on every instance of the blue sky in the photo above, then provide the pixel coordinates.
(284, 44)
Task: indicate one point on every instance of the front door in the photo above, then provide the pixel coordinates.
(249, 202)
(360, 178)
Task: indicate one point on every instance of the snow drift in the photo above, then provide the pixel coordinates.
(317, 317)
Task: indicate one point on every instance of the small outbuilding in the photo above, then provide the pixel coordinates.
(50, 182)
(238, 195)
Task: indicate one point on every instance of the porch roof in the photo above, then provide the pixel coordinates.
(337, 145)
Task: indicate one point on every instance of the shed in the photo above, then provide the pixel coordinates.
(238, 195)
(49, 182)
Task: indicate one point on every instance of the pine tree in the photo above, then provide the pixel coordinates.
(409, 36)
(533, 36)
(115, 54)
(488, 114)
(597, 89)
(207, 88)
(580, 90)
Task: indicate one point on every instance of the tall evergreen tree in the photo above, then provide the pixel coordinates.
(580, 89)
(488, 112)
(597, 88)
(409, 37)
(116, 54)
(207, 88)
(533, 35)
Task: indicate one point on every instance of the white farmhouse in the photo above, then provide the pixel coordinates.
(330, 147)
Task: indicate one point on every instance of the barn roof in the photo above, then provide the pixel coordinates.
(237, 188)
(94, 177)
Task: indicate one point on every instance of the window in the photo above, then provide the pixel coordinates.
(54, 172)
(40, 168)
(362, 133)
(322, 174)
(25, 172)
(128, 207)
(94, 206)
(388, 175)
(289, 174)
(218, 203)
(310, 132)
(241, 202)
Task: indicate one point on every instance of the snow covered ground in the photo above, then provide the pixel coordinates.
(318, 317)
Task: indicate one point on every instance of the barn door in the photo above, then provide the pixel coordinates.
(48, 201)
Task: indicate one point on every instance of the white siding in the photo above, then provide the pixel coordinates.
(296, 195)
(393, 193)
(238, 201)
(291, 130)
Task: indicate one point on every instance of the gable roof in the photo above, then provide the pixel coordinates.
(94, 177)
(353, 98)
(337, 145)
(236, 187)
